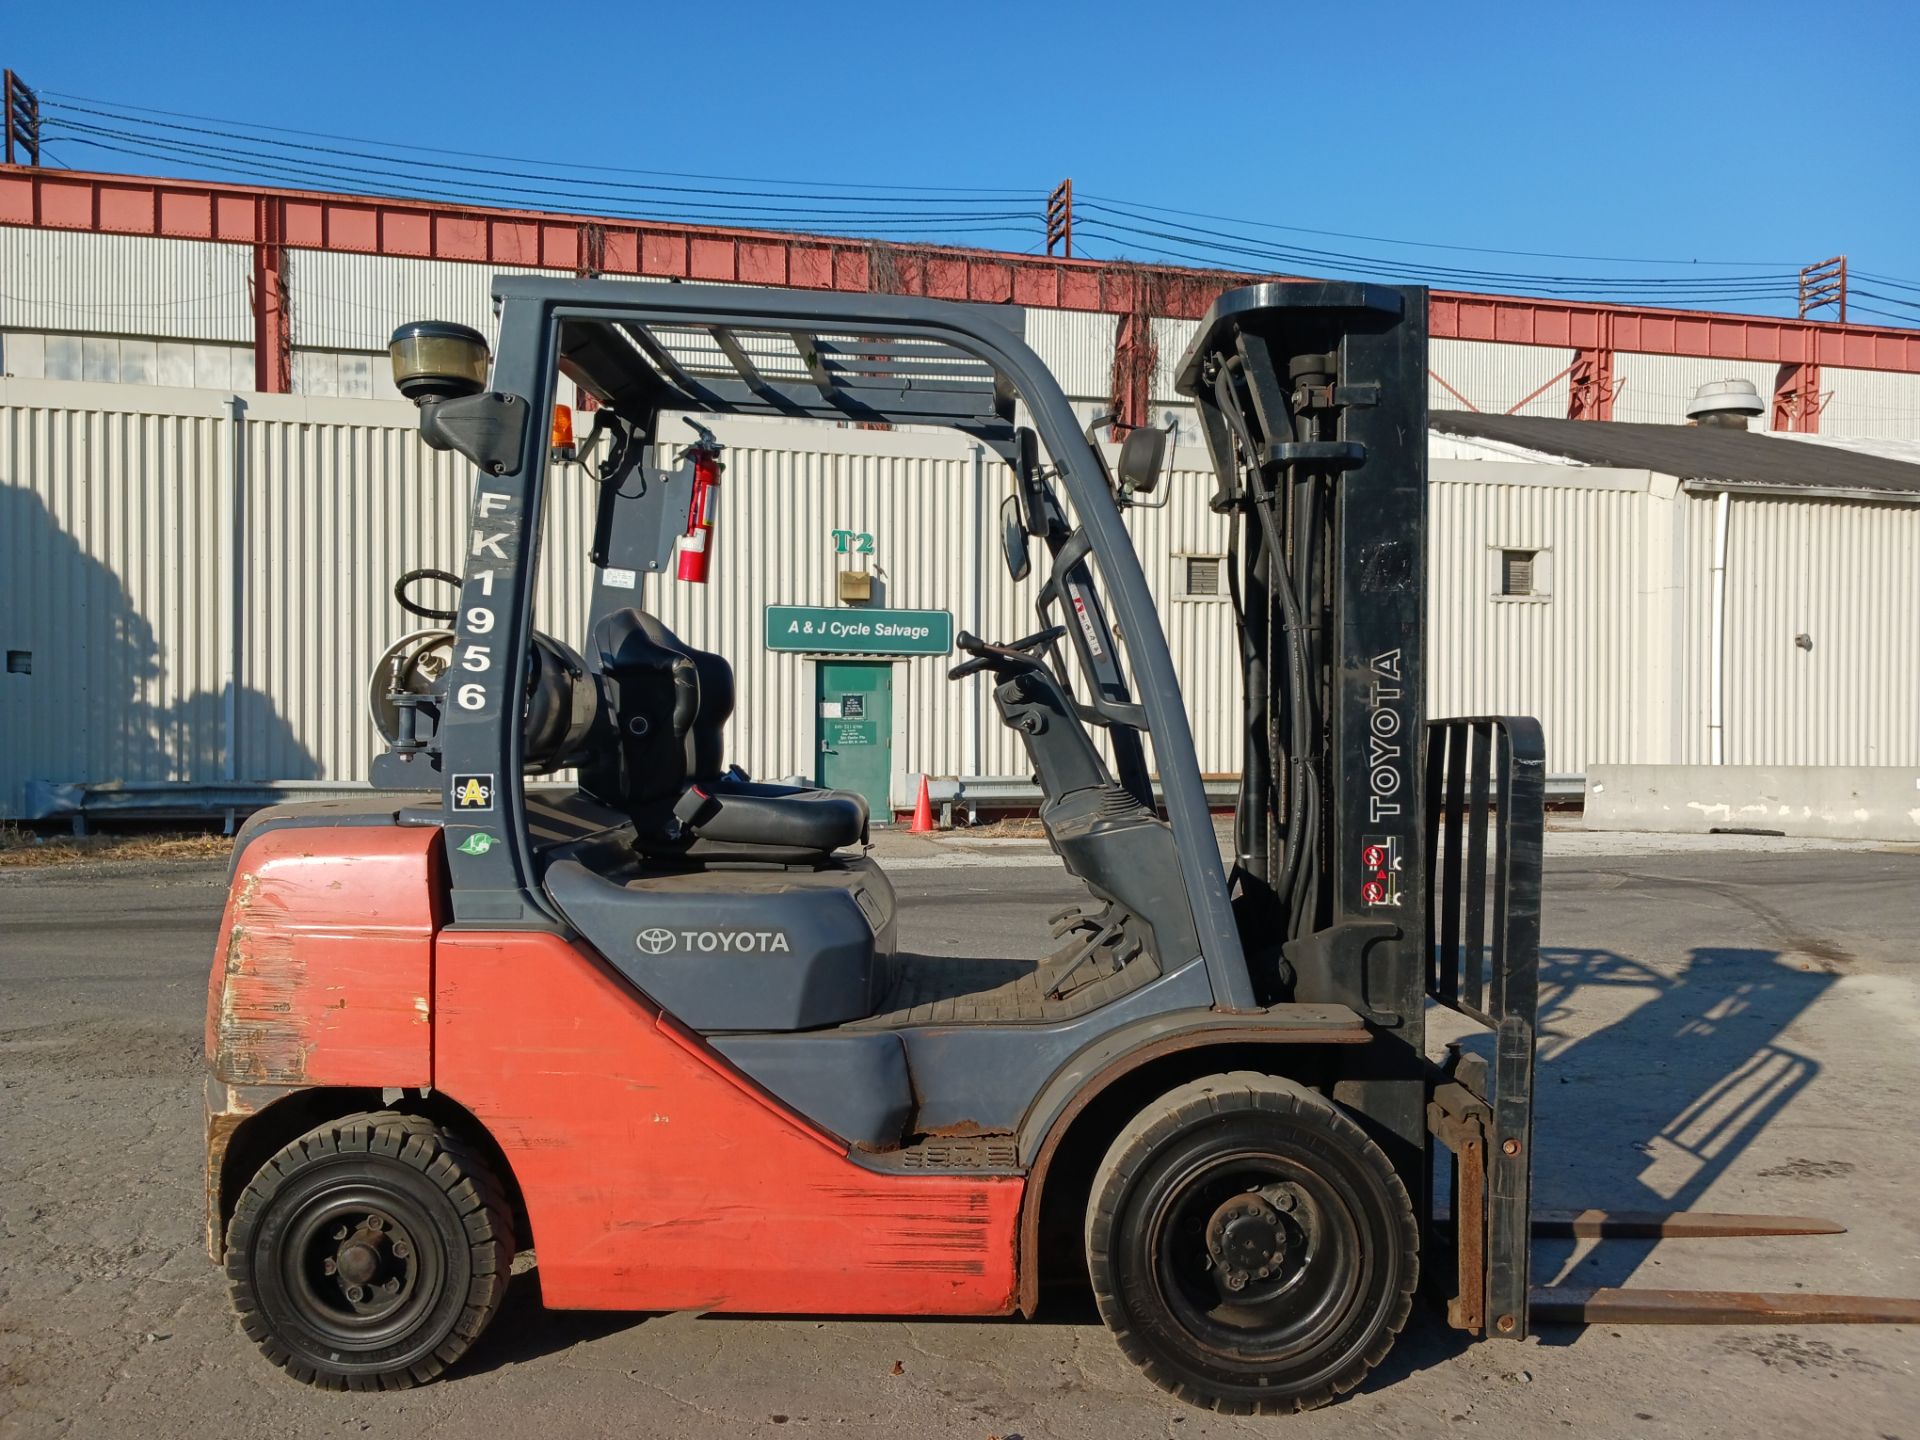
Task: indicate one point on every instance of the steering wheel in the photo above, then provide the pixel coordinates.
(999, 658)
(414, 607)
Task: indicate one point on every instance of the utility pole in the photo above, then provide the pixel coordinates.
(1060, 219)
(22, 120)
(1824, 284)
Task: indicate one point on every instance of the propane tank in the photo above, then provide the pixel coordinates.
(695, 545)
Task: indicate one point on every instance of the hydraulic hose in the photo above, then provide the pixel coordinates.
(1299, 698)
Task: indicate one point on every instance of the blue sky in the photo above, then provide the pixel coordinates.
(1770, 133)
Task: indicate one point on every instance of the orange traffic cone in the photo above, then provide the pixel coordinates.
(922, 811)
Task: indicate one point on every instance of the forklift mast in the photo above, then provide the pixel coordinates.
(1312, 401)
(1379, 861)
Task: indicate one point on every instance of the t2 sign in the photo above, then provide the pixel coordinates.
(852, 542)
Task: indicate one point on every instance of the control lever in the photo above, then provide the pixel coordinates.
(988, 656)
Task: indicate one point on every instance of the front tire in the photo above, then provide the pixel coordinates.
(1250, 1247)
(370, 1253)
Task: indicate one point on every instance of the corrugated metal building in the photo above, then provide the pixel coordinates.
(1818, 650)
(196, 586)
(133, 309)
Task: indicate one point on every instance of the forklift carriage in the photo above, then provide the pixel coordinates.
(657, 1022)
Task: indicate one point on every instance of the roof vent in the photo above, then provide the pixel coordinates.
(1725, 403)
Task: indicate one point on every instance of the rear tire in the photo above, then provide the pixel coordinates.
(1250, 1247)
(370, 1253)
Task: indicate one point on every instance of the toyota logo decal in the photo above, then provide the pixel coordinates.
(654, 941)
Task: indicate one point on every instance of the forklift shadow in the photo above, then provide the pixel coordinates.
(525, 1329)
(1651, 1084)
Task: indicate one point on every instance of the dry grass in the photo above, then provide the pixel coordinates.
(21, 849)
(1025, 827)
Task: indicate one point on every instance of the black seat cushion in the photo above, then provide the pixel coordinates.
(741, 812)
(671, 703)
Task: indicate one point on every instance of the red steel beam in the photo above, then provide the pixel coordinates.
(272, 313)
(418, 229)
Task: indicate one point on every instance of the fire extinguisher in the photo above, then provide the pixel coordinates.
(695, 545)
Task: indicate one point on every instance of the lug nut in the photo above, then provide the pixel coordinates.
(392, 1287)
(356, 1293)
(329, 1265)
(1284, 1200)
(1511, 1147)
(374, 1222)
(339, 1232)
(1236, 1280)
(401, 1250)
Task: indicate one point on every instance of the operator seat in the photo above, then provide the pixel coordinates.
(671, 703)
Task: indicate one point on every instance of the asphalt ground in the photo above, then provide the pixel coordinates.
(1728, 1027)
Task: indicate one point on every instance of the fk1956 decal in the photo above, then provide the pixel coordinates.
(494, 535)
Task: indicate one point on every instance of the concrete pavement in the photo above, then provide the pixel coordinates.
(1730, 1028)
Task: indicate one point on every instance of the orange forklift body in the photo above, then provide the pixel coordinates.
(655, 1175)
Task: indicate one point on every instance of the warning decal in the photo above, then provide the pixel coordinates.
(473, 792)
(1380, 870)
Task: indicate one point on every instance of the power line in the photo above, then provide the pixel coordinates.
(194, 146)
(522, 159)
(1876, 295)
(1295, 254)
(1210, 254)
(1421, 244)
(347, 180)
(1904, 321)
(1898, 284)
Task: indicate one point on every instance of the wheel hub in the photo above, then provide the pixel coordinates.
(1249, 1238)
(370, 1262)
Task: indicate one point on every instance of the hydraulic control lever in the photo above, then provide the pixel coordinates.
(988, 656)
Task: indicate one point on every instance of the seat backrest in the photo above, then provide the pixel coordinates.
(705, 731)
(656, 694)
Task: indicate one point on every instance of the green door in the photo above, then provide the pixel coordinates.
(854, 730)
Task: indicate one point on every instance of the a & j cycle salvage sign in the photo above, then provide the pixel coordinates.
(825, 630)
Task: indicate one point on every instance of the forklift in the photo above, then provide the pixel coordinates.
(571, 980)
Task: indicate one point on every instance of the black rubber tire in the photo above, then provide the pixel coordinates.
(458, 1254)
(1193, 1138)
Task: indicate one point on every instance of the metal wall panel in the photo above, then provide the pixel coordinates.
(125, 285)
(112, 558)
(127, 360)
(1576, 657)
(1170, 341)
(1869, 403)
(183, 565)
(1495, 379)
(1655, 389)
(1841, 573)
(342, 301)
(1077, 346)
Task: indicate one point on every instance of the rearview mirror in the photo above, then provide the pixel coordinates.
(1142, 454)
(1013, 538)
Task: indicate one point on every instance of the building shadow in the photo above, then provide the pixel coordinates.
(88, 693)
